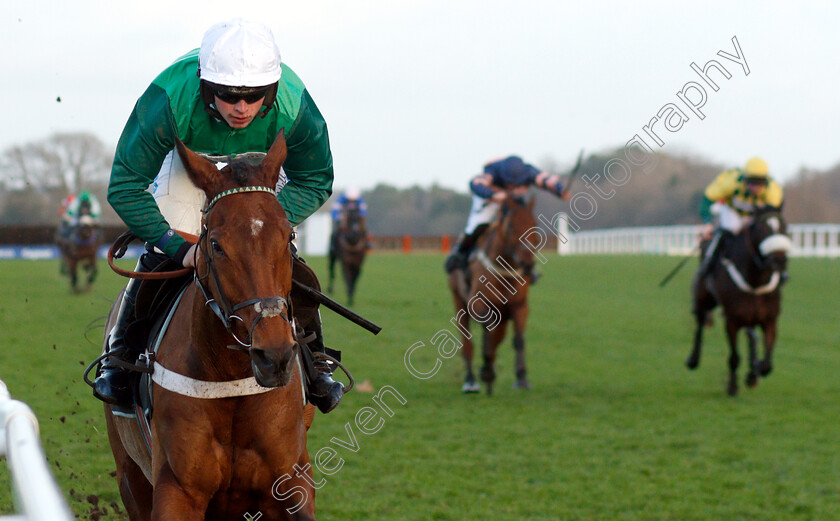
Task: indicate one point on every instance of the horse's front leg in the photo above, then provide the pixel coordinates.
(752, 375)
(492, 339)
(693, 360)
(732, 328)
(93, 271)
(74, 276)
(350, 275)
(470, 385)
(520, 316)
(331, 268)
(703, 303)
(765, 367)
(292, 497)
(173, 502)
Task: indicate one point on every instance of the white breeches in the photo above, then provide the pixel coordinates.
(177, 197)
(179, 200)
(729, 219)
(483, 211)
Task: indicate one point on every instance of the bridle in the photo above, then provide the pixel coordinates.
(265, 307)
(498, 230)
(352, 231)
(777, 241)
(505, 229)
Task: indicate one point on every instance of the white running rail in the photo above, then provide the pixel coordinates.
(37, 496)
(809, 240)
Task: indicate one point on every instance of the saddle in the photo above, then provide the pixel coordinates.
(155, 300)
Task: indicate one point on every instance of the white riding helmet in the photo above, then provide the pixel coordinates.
(353, 193)
(239, 53)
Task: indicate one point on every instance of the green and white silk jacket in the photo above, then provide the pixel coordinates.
(172, 106)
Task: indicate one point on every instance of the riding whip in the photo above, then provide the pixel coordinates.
(573, 174)
(678, 268)
(338, 308)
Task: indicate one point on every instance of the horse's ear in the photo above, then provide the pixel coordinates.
(200, 171)
(275, 158)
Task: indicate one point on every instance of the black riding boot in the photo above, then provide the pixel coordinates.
(458, 259)
(112, 384)
(324, 392)
(531, 271)
(713, 251)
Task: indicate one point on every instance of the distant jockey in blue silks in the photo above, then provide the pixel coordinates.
(502, 177)
(350, 199)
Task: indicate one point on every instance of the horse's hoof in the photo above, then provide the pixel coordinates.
(765, 368)
(752, 380)
(470, 387)
(522, 384)
(732, 389)
(692, 363)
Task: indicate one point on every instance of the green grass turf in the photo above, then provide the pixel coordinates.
(615, 427)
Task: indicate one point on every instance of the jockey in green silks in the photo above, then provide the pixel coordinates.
(230, 96)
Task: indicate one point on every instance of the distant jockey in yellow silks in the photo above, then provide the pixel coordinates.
(741, 192)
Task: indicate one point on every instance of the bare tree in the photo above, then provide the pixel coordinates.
(66, 162)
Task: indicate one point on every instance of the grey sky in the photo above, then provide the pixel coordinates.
(420, 92)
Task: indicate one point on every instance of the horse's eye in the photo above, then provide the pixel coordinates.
(216, 247)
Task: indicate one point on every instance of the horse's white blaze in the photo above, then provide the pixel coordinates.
(271, 311)
(773, 222)
(256, 226)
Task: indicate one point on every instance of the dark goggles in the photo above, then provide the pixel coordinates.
(756, 181)
(232, 95)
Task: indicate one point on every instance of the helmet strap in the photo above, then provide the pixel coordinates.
(268, 101)
(208, 98)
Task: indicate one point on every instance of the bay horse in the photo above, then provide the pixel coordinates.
(79, 249)
(494, 290)
(350, 249)
(229, 440)
(746, 281)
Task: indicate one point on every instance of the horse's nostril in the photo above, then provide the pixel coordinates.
(270, 358)
(260, 358)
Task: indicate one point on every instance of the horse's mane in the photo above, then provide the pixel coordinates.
(239, 171)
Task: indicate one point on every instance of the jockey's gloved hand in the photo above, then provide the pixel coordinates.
(191, 257)
(499, 196)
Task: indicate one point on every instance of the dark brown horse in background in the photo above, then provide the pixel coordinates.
(746, 281)
(495, 290)
(78, 250)
(222, 458)
(350, 249)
